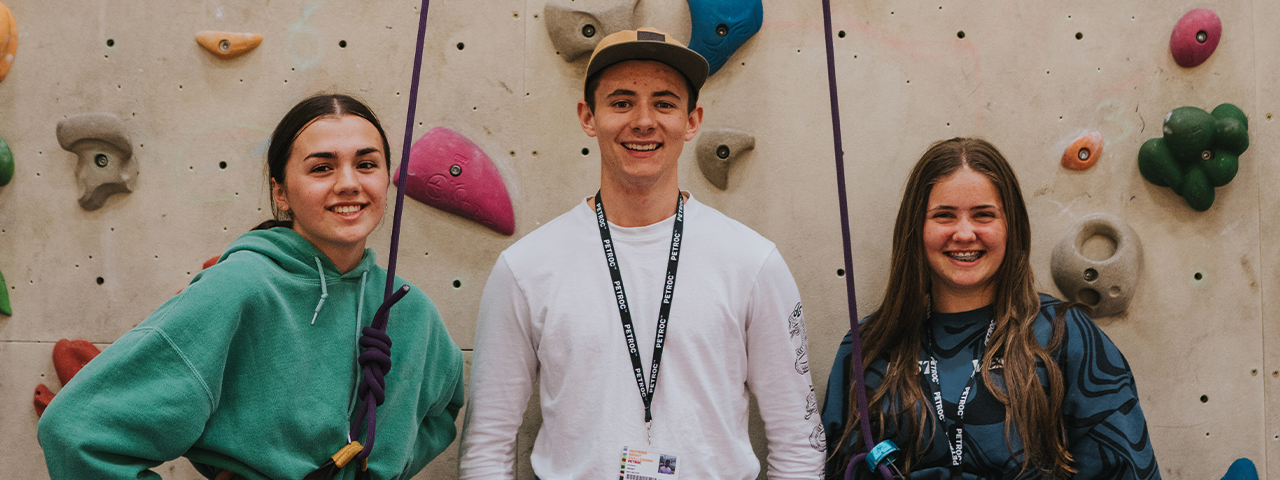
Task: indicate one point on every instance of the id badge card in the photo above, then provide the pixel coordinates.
(643, 463)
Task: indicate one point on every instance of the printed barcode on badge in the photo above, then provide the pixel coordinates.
(632, 476)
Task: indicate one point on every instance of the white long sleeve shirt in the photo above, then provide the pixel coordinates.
(549, 313)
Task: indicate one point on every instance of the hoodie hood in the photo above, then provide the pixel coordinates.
(294, 254)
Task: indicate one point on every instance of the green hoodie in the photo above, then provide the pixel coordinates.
(234, 373)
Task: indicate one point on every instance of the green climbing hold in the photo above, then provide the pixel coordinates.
(1198, 152)
(6, 163)
(4, 298)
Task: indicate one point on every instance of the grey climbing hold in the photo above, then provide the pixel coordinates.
(575, 32)
(719, 148)
(1107, 285)
(105, 156)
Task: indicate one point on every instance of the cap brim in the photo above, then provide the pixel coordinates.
(687, 61)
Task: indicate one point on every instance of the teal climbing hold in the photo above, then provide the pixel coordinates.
(1198, 152)
(1241, 469)
(720, 27)
(6, 163)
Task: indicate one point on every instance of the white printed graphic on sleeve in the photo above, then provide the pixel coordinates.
(799, 339)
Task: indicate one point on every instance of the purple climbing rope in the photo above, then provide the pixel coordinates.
(855, 358)
(375, 358)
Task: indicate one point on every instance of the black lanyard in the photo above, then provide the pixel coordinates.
(664, 311)
(955, 430)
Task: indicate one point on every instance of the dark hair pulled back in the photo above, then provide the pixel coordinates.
(293, 123)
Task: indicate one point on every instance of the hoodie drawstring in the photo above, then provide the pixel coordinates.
(324, 291)
(355, 347)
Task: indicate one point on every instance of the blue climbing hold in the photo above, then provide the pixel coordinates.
(1241, 469)
(721, 26)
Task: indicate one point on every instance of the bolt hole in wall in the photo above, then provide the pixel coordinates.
(457, 283)
(1204, 399)
(586, 151)
(960, 34)
(1198, 276)
(1079, 36)
(461, 46)
(101, 281)
(222, 165)
(111, 42)
(342, 44)
(840, 272)
(841, 34)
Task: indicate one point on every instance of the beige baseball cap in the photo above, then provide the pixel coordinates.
(649, 44)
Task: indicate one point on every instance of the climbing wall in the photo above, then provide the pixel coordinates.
(1028, 76)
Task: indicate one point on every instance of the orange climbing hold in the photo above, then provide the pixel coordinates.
(228, 45)
(1084, 152)
(8, 40)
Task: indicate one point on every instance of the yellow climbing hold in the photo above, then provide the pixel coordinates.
(228, 45)
(8, 40)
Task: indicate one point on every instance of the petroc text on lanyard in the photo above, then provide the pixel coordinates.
(955, 430)
(664, 311)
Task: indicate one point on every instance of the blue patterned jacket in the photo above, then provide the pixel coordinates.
(1106, 431)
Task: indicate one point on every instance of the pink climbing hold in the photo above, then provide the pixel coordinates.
(449, 172)
(1195, 37)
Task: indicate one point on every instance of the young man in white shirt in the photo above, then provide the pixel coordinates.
(589, 302)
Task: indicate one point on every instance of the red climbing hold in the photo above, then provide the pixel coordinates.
(211, 261)
(43, 397)
(1195, 37)
(449, 172)
(69, 356)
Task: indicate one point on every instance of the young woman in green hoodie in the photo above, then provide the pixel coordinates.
(251, 371)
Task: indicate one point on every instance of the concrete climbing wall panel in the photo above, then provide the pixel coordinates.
(1267, 32)
(1030, 77)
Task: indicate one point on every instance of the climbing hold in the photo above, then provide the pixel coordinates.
(721, 26)
(1199, 151)
(5, 308)
(719, 148)
(6, 163)
(475, 192)
(228, 45)
(1084, 152)
(8, 40)
(1241, 469)
(576, 32)
(1195, 37)
(69, 356)
(106, 165)
(211, 261)
(1108, 284)
(42, 398)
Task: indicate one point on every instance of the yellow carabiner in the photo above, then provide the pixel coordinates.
(347, 453)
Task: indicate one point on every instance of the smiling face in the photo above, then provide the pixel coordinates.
(335, 186)
(964, 238)
(641, 121)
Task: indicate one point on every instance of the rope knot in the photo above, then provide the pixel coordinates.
(375, 361)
